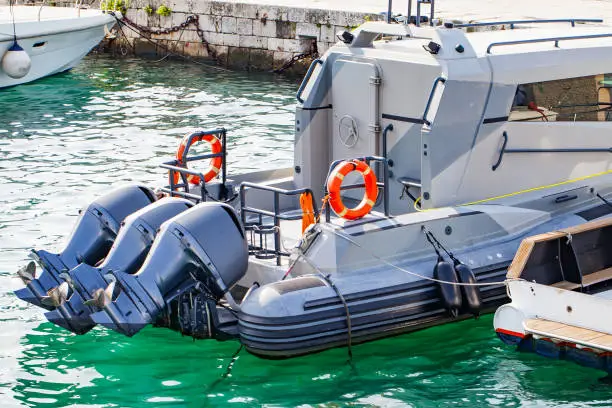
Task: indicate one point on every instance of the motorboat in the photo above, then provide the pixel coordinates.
(560, 284)
(424, 155)
(38, 41)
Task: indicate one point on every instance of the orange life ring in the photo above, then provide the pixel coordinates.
(215, 162)
(335, 181)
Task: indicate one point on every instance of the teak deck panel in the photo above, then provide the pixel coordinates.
(566, 332)
(587, 280)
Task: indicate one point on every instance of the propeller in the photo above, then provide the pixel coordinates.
(27, 273)
(102, 297)
(66, 277)
(56, 296)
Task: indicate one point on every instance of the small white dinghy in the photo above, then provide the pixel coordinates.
(560, 284)
(46, 40)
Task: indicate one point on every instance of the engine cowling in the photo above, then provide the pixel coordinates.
(126, 255)
(90, 241)
(203, 249)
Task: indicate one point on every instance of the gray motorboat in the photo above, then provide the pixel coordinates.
(423, 156)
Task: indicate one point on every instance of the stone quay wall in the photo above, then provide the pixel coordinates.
(239, 35)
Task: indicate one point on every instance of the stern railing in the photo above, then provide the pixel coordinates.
(175, 167)
(259, 245)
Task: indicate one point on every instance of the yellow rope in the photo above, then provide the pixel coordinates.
(603, 173)
(416, 207)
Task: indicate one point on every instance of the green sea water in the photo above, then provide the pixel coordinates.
(67, 139)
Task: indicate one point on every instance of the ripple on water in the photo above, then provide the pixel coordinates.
(67, 139)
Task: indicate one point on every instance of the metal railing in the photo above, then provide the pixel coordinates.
(175, 167)
(512, 23)
(505, 150)
(261, 250)
(549, 39)
(437, 81)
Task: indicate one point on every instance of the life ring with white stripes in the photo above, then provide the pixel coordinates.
(334, 182)
(215, 162)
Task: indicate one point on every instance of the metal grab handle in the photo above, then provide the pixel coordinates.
(512, 23)
(555, 39)
(431, 94)
(311, 69)
(501, 153)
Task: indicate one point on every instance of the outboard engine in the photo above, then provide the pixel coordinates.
(89, 243)
(127, 255)
(203, 249)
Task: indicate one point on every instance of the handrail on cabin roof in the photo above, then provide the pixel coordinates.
(512, 23)
(539, 40)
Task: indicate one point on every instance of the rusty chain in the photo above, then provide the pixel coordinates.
(192, 19)
(195, 20)
(312, 53)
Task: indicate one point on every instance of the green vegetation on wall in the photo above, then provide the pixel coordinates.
(164, 10)
(114, 5)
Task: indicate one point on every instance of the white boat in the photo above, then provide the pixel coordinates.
(560, 284)
(55, 39)
(451, 135)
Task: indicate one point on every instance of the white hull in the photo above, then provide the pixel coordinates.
(554, 311)
(54, 45)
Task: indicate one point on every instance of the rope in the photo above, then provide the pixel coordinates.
(432, 243)
(325, 200)
(416, 205)
(399, 268)
(603, 199)
(11, 4)
(348, 314)
(301, 254)
(228, 370)
(306, 203)
(532, 106)
(430, 236)
(327, 279)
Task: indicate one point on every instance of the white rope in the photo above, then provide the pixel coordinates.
(504, 282)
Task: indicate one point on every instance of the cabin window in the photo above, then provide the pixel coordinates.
(569, 100)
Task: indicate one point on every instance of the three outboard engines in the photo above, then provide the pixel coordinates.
(203, 249)
(132, 261)
(91, 239)
(129, 251)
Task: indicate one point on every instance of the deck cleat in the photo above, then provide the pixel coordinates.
(92, 238)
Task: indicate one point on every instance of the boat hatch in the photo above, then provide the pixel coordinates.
(355, 113)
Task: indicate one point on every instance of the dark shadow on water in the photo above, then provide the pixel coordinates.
(460, 364)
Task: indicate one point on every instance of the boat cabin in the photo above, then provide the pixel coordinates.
(446, 117)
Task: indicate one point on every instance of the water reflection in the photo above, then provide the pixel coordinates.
(67, 139)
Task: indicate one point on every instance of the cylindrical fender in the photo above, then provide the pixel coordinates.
(450, 294)
(471, 294)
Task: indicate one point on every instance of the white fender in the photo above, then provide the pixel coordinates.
(509, 318)
(16, 62)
